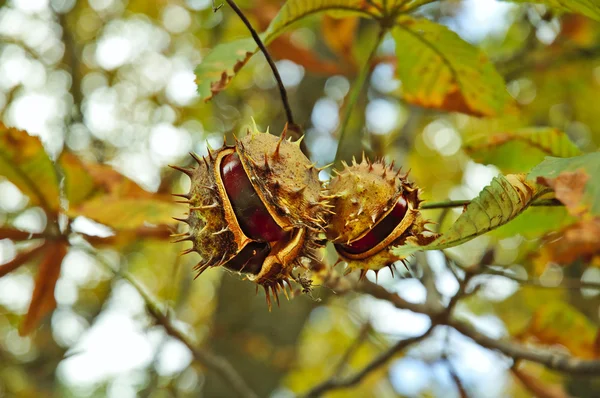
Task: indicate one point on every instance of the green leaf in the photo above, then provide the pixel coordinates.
(575, 181)
(78, 183)
(127, 213)
(589, 8)
(440, 70)
(535, 222)
(406, 5)
(501, 201)
(24, 162)
(505, 150)
(294, 10)
(220, 66)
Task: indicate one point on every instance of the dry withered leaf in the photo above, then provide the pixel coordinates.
(569, 187)
(42, 300)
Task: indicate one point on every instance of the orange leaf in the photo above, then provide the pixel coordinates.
(558, 323)
(284, 48)
(114, 183)
(339, 35)
(42, 300)
(575, 241)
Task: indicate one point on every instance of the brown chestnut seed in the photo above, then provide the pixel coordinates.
(250, 211)
(379, 232)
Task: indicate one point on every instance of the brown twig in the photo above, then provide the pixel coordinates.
(21, 259)
(549, 359)
(461, 203)
(257, 39)
(15, 234)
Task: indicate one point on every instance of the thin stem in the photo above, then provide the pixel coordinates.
(355, 94)
(460, 203)
(256, 37)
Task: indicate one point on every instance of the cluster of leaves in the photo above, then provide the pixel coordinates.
(67, 189)
(439, 71)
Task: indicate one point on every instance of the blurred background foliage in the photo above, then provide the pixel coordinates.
(112, 82)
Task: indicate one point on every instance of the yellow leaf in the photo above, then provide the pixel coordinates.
(24, 162)
(78, 183)
(440, 70)
(558, 323)
(127, 213)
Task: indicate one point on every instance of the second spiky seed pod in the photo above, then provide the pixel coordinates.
(376, 208)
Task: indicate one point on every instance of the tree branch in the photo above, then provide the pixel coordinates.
(516, 351)
(381, 360)
(21, 259)
(257, 39)
(565, 283)
(15, 234)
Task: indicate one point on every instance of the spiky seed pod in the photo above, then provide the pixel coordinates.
(262, 219)
(285, 180)
(376, 208)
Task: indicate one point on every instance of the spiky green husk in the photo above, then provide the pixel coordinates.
(285, 179)
(362, 195)
(288, 185)
(209, 231)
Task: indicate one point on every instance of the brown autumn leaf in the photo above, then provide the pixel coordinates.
(537, 387)
(569, 187)
(567, 176)
(578, 29)
(43, 300)
(115, 184)
(283, 47)
(560, 324)
(339, 34)
(580, 240)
